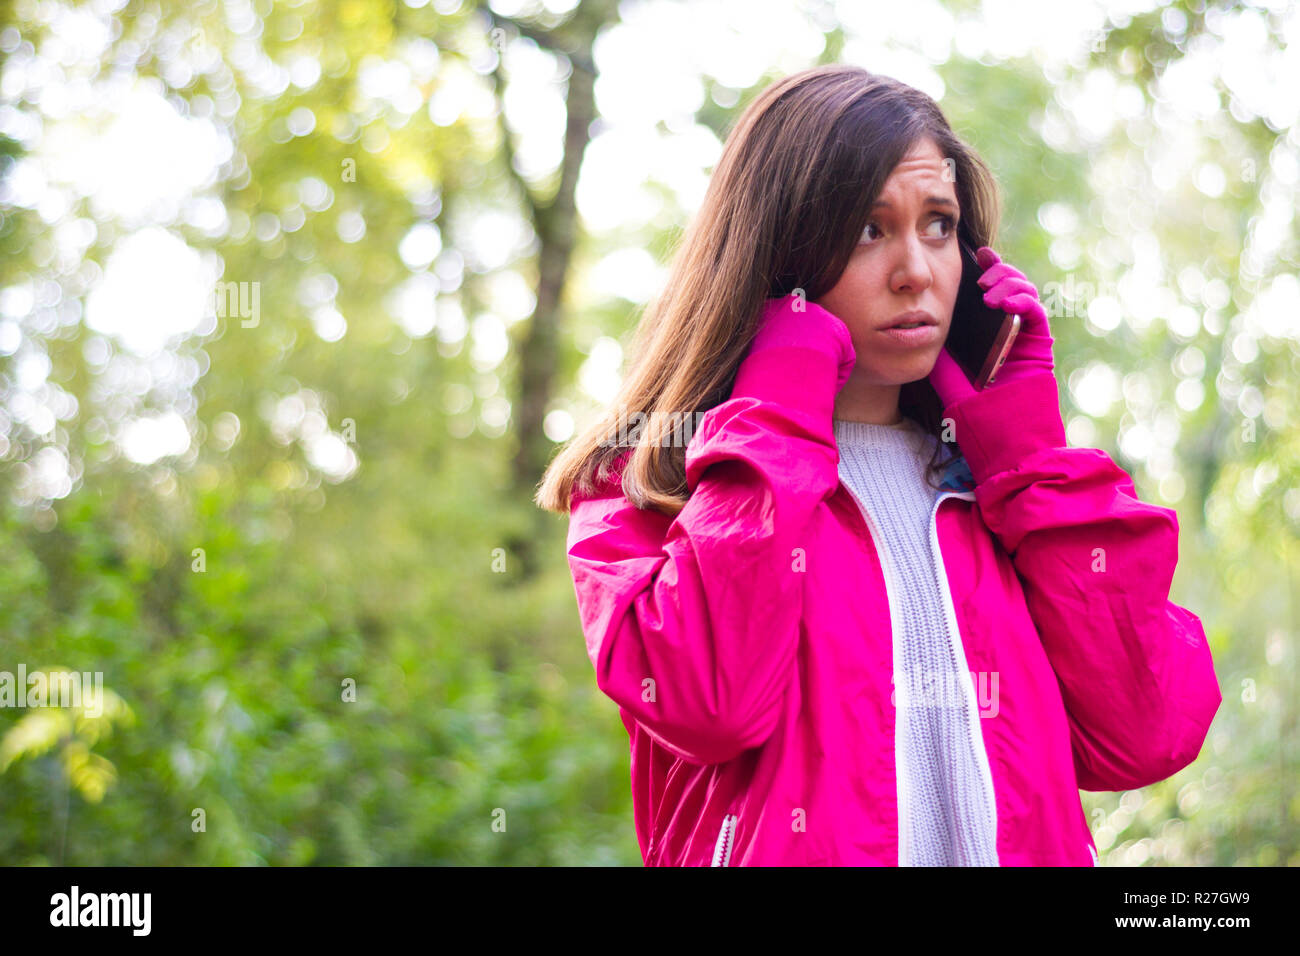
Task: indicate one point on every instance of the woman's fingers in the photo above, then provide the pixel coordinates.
(1011, 285)
(997, 273)
(1033, 317)
(1007, 288)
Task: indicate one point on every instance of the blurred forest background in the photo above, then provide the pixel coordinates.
(298, 298)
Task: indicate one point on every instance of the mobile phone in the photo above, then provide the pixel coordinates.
(979, 337)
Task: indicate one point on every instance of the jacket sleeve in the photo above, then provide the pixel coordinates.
(1096, 565)
(692, 622)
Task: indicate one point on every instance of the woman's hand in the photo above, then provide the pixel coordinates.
(1006, 288)
(792, 322)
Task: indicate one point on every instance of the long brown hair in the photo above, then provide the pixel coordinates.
(784, 209)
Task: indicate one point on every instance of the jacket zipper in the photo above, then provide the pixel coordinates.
(900, 753)
(973, 726)
(722, 849)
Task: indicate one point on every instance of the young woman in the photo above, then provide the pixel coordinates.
(865, 614)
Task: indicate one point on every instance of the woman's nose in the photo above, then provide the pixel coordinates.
(912, 270)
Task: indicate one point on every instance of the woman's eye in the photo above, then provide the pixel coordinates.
(948, 222)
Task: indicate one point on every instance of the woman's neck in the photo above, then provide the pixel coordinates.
(871, 404)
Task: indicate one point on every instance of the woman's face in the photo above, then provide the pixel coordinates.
(906, 260)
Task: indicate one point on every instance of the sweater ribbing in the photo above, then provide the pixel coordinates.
(947, 812)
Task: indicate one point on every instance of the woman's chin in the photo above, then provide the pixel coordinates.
(916, 370)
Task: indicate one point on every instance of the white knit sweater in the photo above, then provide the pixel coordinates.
(947, 818)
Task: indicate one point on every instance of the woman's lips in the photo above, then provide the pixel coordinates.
(921, 335)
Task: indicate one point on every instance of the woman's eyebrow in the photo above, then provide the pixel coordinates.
(936, 200)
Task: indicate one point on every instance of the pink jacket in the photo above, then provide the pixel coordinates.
(748, 641)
